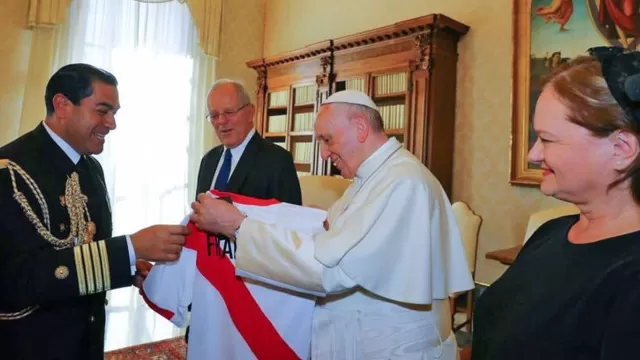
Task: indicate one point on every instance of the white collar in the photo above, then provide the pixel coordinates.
(237, 151)
(73, 155)
(373, 162)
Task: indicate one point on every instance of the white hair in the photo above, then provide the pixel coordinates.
(241, 92)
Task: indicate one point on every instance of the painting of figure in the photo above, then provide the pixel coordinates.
(548, 34)
(558, 11)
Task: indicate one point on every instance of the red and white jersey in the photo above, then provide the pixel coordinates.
(233, 317)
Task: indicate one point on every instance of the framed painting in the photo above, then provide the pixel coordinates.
(547, 33)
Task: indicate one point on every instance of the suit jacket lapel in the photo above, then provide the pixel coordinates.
(209, 171)
(245, 164)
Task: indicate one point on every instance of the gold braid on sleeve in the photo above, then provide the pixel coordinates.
(81, 229)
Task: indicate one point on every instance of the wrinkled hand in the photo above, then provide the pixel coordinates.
(142, 270)
(159, 242)
(216, 216)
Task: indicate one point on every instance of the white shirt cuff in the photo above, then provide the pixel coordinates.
(132, 256)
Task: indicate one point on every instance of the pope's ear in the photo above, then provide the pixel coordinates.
(362, 126)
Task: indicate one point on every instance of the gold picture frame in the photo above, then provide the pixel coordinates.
(521, 172)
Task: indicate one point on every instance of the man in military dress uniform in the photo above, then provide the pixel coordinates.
(57, 254)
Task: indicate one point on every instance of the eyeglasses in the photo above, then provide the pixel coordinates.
(227, 113)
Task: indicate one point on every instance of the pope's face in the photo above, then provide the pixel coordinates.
(338, 138)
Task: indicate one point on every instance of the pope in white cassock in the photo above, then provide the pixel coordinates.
(390, 257)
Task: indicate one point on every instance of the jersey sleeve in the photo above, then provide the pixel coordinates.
(168, 288)
(279, 249)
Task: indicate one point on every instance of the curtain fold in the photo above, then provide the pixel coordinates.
(39, 71)
(201, 135)
(46, 13)
(207, 17)
(43, 19)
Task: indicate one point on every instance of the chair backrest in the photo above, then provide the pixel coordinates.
(322, 191)
(538, 218)
(469, 225)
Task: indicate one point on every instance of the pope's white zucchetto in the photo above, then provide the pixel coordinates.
(351, 97)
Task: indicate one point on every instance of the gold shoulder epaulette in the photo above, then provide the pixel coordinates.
(4, 163)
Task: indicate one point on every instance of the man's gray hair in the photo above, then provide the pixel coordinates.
(241, 92)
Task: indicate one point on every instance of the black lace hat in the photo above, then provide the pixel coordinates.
(621, 70)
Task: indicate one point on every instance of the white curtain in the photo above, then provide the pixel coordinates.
(151, 159)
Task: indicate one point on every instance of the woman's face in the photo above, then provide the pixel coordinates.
(577, 166)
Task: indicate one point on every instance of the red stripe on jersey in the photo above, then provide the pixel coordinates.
(250, 321)
(163, 312)
(244, 200)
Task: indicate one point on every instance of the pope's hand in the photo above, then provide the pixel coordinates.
(216, 216)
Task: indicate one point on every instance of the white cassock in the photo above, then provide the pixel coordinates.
(384, 269)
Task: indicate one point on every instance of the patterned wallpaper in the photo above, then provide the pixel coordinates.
(483, 123)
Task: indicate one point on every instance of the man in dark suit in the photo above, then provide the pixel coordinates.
(245, 163)
(57, 253)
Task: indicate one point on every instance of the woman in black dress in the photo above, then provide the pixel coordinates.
(574, 290)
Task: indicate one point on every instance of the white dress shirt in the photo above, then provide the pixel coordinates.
(74, 156)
